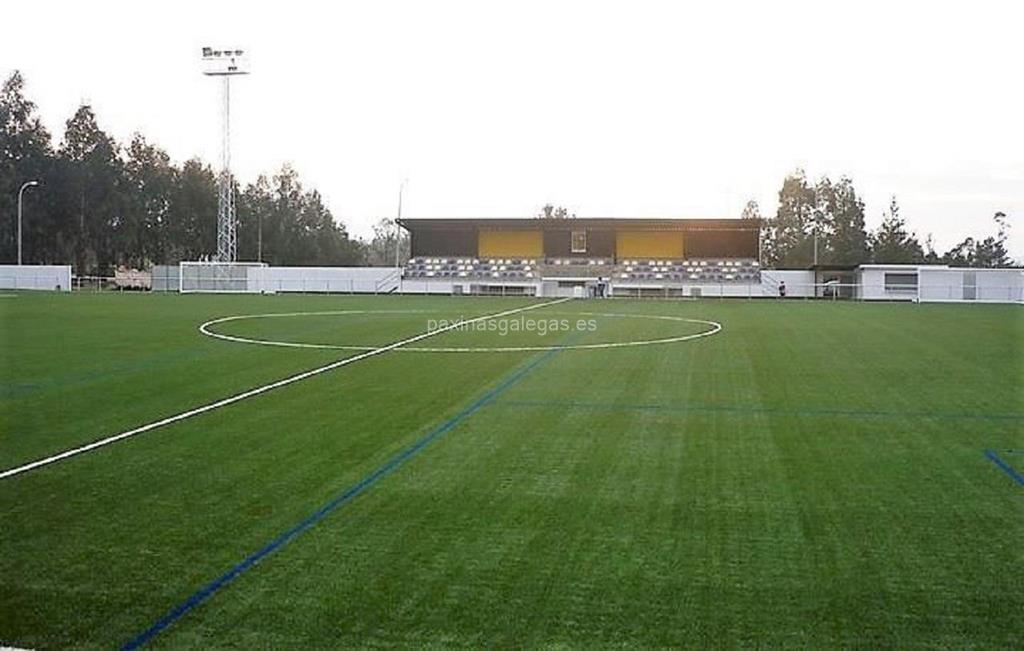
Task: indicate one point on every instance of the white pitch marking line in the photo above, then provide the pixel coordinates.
(258, 390)
(204, 328)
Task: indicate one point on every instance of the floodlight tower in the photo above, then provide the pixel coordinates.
(225, 64)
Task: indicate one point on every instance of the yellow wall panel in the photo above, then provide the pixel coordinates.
(515, 244)
(648, 244)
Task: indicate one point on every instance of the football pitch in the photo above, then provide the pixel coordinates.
(509, 472)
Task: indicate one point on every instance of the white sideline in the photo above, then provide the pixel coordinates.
(262, 389)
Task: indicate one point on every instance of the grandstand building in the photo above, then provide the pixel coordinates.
(580, 257)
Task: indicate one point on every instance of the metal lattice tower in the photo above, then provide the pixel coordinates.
(225, 64)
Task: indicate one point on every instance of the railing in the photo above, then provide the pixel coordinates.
(704, 290)
(576, 271)
(320, 286)
(93, 283)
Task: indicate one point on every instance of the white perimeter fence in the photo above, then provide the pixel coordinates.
(935, 284)
(41, 277)
(310, 280)
(924, 293)
(345, 280)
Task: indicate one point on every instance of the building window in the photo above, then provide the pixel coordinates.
(901, 282)
(579, 241)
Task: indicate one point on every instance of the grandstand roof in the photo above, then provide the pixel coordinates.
(631, 223)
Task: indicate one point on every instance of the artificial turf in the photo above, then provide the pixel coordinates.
(812, 475)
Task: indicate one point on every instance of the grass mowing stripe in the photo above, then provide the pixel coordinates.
(856, 413)
(84, 377)
(261, 389)
(390, 466)
(1005, 467)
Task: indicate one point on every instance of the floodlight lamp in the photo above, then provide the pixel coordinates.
(228, 61)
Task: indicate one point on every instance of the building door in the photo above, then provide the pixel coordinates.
(970, 285)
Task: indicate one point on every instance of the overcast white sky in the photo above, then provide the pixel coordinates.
(650, 109)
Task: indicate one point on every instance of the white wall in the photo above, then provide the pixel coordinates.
(368, 280)
(799, 283)
(872, 284)
(940, 284)
(1000, 285)
(691, 290)
(165, 278)
(462, 286)
(871, 279)
(426, 287)
(991, 285)
(937, 283)
(45, 277)
(946, 284)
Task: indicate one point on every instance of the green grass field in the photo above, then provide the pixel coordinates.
(814, 474)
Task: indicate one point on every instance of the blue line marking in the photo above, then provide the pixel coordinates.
(741, 409)
(383, 471)
(1005, 467)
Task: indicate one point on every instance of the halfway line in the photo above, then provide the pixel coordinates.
(258, 390)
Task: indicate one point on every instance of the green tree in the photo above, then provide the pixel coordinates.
(990, 252)
(102, 205)
(284, 235)
(788, 241)
(191, 228)
(841, 218)
(751, 210)
(930, 256)
(892, 243)
(961, 255)
(330, 241)
(380, 250)
(25, 154)
(93, 208)
(254, 207)
(298, 229)
(150, 181)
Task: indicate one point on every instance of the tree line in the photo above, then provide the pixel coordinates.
(835, 213)
(102, 204)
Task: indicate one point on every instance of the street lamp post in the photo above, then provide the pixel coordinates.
(27, 184)
(398, 225)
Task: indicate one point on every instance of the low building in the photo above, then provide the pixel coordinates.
(934, 283)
